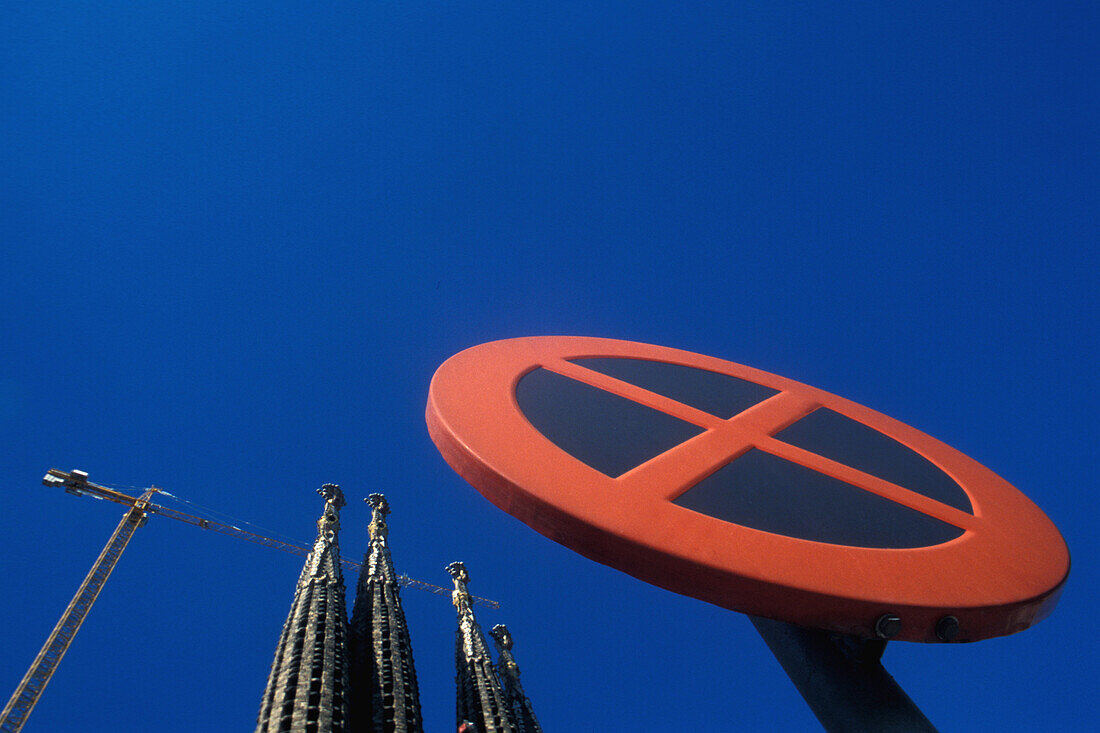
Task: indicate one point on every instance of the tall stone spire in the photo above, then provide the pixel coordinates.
(479, 695)
(519, 705)
(383, 679)
(307, 688)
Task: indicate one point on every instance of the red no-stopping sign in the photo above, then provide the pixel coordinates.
(743, 488)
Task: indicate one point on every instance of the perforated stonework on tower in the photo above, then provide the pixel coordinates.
(382, 674)
(479, 697)
(307, 689)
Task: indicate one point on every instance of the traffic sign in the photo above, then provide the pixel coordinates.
(745, 489)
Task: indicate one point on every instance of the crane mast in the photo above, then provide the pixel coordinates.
(26, 695)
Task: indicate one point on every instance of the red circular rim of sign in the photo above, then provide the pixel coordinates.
(1003, 574)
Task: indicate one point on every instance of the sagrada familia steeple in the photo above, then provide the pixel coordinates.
(519, 707)
(480, 697)
(330, 676)
(307, 689)
(382, 671)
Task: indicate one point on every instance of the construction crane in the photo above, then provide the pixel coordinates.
(26, 695)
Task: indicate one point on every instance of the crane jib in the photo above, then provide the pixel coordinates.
(26, 695)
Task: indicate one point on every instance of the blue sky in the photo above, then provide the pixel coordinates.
(240, 239)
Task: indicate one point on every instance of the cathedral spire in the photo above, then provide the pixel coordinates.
(480, 698)
(307, 687)
(519, 705)
(382, 675)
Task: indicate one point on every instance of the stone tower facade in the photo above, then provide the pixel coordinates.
(480, 699)
(329, 676)
(380, 653)
(519, 706)
(307, 689)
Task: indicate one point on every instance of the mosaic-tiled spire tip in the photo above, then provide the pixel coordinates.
(308, 684)
(479, 697)
(382, 672)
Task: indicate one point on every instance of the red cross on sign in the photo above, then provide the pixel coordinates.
(744, 489)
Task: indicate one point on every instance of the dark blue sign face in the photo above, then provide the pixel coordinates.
(756, 489)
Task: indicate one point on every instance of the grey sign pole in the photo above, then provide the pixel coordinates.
(842, 680)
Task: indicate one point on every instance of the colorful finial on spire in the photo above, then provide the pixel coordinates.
(379, 509)
(506, 664)
(501, 636)
(378, 503)
(459, 573)
(460, 597)
(333, 496)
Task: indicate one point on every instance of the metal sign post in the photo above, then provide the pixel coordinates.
(842, 680)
